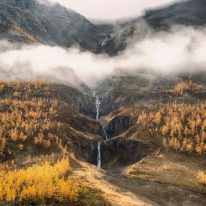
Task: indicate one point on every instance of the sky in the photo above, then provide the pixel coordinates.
(111, 9)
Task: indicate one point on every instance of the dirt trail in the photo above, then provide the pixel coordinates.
(126, 191)
(116, 195)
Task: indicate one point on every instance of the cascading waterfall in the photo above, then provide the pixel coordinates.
(99, 161)
(104, 42)
(97, 104)
(106, 39)
(97, 108)
(105, 134)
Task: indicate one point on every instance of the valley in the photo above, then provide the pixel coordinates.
(128, 181)
(110, 151)
(133, 158)
(102, 113)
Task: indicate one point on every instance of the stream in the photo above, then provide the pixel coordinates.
(97, 104)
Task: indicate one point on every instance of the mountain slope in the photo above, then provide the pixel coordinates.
(42, 118)
(184, 13)
(192, 12)
(30, 21)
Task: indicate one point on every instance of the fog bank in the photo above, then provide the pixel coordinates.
(180, 50)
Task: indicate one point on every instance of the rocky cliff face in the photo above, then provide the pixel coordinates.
(122, 152)
(118, 125)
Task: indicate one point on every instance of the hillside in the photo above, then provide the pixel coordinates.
(44, 131)
(29, 21)
(146, 88)
(135, 138)
(189, 13)
(40, 118)
(43, 123)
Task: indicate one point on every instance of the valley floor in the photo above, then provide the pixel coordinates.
(123, 190)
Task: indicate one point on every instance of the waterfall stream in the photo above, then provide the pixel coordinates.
(97, 104)
(97, 108)
(106, 39)
(99, 161)
(105, 134)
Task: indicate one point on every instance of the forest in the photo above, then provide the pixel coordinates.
(26, 119)
(181, 127)
(186, 86)
(34, 162)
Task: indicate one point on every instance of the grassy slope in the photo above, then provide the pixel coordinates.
(139, 182)
(160, 165)
(28, 107)
(59, 125)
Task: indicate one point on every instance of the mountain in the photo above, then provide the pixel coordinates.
(137, 136)
(190, 13)
(30, 21)
(185, 13)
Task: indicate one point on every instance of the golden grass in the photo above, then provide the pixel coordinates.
(25, 34)
(201, 178)
(39, 182)
(186, 86)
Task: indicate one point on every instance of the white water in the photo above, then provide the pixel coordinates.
(104, 42)
(107, 38)
(99, 161)
(97, 108)
(97, 104)
(105, 134)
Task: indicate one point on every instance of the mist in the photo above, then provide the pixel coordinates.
(115, 9)
(182, 49)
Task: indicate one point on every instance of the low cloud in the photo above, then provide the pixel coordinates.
(180, 50)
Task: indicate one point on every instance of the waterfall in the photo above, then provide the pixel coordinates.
(106, 39)
(104, 42)
(99, 161)
(105, 134)
(97, 104)
(97, 108)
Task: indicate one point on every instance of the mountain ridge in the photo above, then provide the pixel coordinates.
(191, 13)
(53, 25)
(32, 22)
(184, 13)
